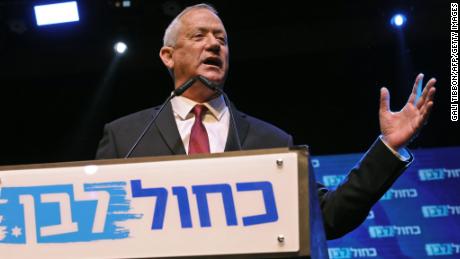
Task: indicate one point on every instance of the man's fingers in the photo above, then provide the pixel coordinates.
(426, 112)
(413, 95)
(431, 93)
(427, 94)
(428, 102)
(384, 99)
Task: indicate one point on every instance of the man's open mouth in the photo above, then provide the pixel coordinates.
(213, 61)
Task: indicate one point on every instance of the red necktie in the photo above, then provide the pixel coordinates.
(199, 142)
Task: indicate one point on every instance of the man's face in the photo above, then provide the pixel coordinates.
(201, 48)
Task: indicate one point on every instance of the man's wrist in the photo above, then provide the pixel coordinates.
(400, 152)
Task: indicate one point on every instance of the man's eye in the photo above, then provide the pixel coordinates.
(222, 40)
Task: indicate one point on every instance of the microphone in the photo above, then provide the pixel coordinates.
(181, 89)
(209, 84)
(218, 88)
(177, 92)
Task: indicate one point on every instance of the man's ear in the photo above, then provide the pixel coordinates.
(166, 56)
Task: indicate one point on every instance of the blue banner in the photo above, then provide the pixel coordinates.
(419, 217)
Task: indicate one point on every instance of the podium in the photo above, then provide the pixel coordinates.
(244, 204)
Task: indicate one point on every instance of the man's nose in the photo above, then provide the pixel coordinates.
(212, 43)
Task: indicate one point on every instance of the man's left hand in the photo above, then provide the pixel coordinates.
(399, 128)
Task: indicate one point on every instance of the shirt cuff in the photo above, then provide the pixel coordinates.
(402, 153)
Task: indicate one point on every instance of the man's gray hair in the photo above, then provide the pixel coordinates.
(170, 37)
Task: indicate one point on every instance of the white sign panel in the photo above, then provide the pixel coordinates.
(192, 207)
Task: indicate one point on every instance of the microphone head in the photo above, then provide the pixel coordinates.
(181, 89)
(211, 85)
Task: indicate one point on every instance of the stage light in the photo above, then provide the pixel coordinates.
(120, 47)
(398, 20)
(56, 13)
(126, 4)
(122, 3)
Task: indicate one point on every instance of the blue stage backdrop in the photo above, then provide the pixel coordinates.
(419, 217)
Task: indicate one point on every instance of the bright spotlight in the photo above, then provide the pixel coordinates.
(56, 13)
(126, 4)
(398, 20)
(120, 47)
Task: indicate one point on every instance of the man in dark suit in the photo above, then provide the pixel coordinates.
(195, 43)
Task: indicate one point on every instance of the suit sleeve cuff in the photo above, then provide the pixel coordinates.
(403, 154)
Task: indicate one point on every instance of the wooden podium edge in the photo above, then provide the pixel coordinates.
(146, 159)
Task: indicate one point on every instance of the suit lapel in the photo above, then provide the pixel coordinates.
(242, 127)
(166, 125)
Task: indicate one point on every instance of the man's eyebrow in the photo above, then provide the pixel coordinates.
(206, 29)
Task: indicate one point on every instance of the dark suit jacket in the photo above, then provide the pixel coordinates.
(343, 209)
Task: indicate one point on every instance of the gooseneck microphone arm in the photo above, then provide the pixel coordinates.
(218, 89)
(177, 92)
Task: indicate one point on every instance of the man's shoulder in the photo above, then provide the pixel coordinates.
(130, 120)
(263, 128)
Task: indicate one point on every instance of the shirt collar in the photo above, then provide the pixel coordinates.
(182, 106)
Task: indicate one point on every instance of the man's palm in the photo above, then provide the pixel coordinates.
(398, 128)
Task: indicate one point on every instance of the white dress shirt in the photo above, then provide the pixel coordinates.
(216, 121)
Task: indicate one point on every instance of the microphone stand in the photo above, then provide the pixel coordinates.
(177, 92)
